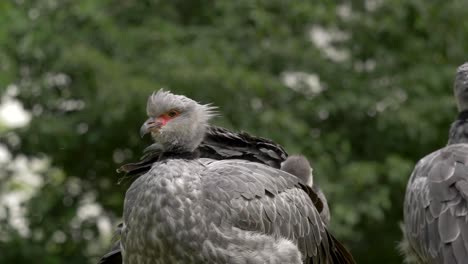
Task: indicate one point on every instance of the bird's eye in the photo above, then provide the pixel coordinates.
(172, 113)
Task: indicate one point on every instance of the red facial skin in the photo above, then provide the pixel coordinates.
(166, 117)
(153, 125)
(162, 119)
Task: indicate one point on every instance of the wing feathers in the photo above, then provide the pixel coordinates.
(276, 204)
(448, 227)
(436, 207)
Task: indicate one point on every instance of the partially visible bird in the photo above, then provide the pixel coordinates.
(189, 209)
(436, 202)
(299, 166)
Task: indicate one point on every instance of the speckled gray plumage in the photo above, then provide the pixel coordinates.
(207, 211)
(435, 210)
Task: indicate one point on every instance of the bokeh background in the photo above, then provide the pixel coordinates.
(362, 88)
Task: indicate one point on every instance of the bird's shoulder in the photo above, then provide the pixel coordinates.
(244, 178)
(220, 143)
(442, 167)
(438, 178)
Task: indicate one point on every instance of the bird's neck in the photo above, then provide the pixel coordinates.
(459, 129)
(184, 139)
(179, 155)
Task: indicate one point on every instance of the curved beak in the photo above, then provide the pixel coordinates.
(150, 125)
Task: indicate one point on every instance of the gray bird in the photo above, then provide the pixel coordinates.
(435, 208)
(299, 166)
(188, 209)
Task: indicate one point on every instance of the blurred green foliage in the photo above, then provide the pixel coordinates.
(372, 93)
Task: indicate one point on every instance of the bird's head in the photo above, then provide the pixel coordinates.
(298, 166)
(176, 122)
(460, 87)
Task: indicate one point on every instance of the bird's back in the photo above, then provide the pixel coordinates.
(435, 209)
(269, 201)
